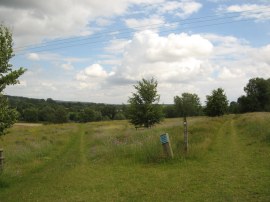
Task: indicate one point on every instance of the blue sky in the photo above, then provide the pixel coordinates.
(95, 51)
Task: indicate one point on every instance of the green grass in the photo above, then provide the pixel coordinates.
(228, 160)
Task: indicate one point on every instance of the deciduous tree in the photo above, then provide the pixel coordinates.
(8, 76)
(217, 103)
(188, 105)
(257, 96)
(143, 109)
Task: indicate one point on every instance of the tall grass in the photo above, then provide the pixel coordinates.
(119, 141)
(26, 148)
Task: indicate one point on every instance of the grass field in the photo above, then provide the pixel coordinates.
(228, 160)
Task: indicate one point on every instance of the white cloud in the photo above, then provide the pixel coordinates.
(92, 76)
(117, 45)
(33, 56)
(95, 70)
(148, 46)
(174, 59)
(154, 23)
(182, 9)
(249, 11)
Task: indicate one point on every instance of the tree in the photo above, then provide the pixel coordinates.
(188, 105)
(109, 110)
(47, 114)
(257, 96)
(89, 115)
(30, 114)
(170, 111)
(234, 107)
(8, 76)
(217, 103)
(143, 109)
(61, 115)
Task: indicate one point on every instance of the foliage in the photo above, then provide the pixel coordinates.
(61, 115)
(188, 105)
(109, 111)
(88, 115)
(143, 110)
(8, 76)
(61, 111)
(47, 114)
(257, 96)
(170, 111)
(31, 114)
(234, 108)
(217, 103)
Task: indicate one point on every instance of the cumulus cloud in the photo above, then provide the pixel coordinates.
(150, 47)
(92, 76)
(191, 63)
(174, 58)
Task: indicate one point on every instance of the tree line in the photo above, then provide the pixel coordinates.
(52, 111)
(257, 99)
(144, 110)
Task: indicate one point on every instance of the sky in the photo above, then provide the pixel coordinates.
(96, 50)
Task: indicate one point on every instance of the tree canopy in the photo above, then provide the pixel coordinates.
(188, 105)
(143, 109)
(217, 103)
(8, 76)
(257, 96)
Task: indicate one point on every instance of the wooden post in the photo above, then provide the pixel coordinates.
(1, 160)
(185, 135)
(166, 144)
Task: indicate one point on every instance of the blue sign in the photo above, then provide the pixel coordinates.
(164, 138)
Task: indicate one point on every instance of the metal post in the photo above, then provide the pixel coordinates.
(166, 144)
(185, 135)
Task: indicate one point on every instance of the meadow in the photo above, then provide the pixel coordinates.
(228, 160)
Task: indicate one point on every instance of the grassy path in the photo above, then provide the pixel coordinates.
(47, 179)
(231, 168)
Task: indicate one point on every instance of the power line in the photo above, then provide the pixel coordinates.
(74, 39)
(152, 26)
(97, 42)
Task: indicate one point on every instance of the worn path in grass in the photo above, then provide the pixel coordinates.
(230, 167)
(229, 171)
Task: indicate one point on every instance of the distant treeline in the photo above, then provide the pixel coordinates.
(257, 99)
(52, 111)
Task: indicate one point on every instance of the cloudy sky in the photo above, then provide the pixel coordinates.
(96, 50)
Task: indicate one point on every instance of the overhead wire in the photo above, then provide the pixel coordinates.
(186, 21)
(76, 42)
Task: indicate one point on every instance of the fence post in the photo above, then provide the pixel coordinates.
(1, 160)
(166, 144)
(185, 135)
